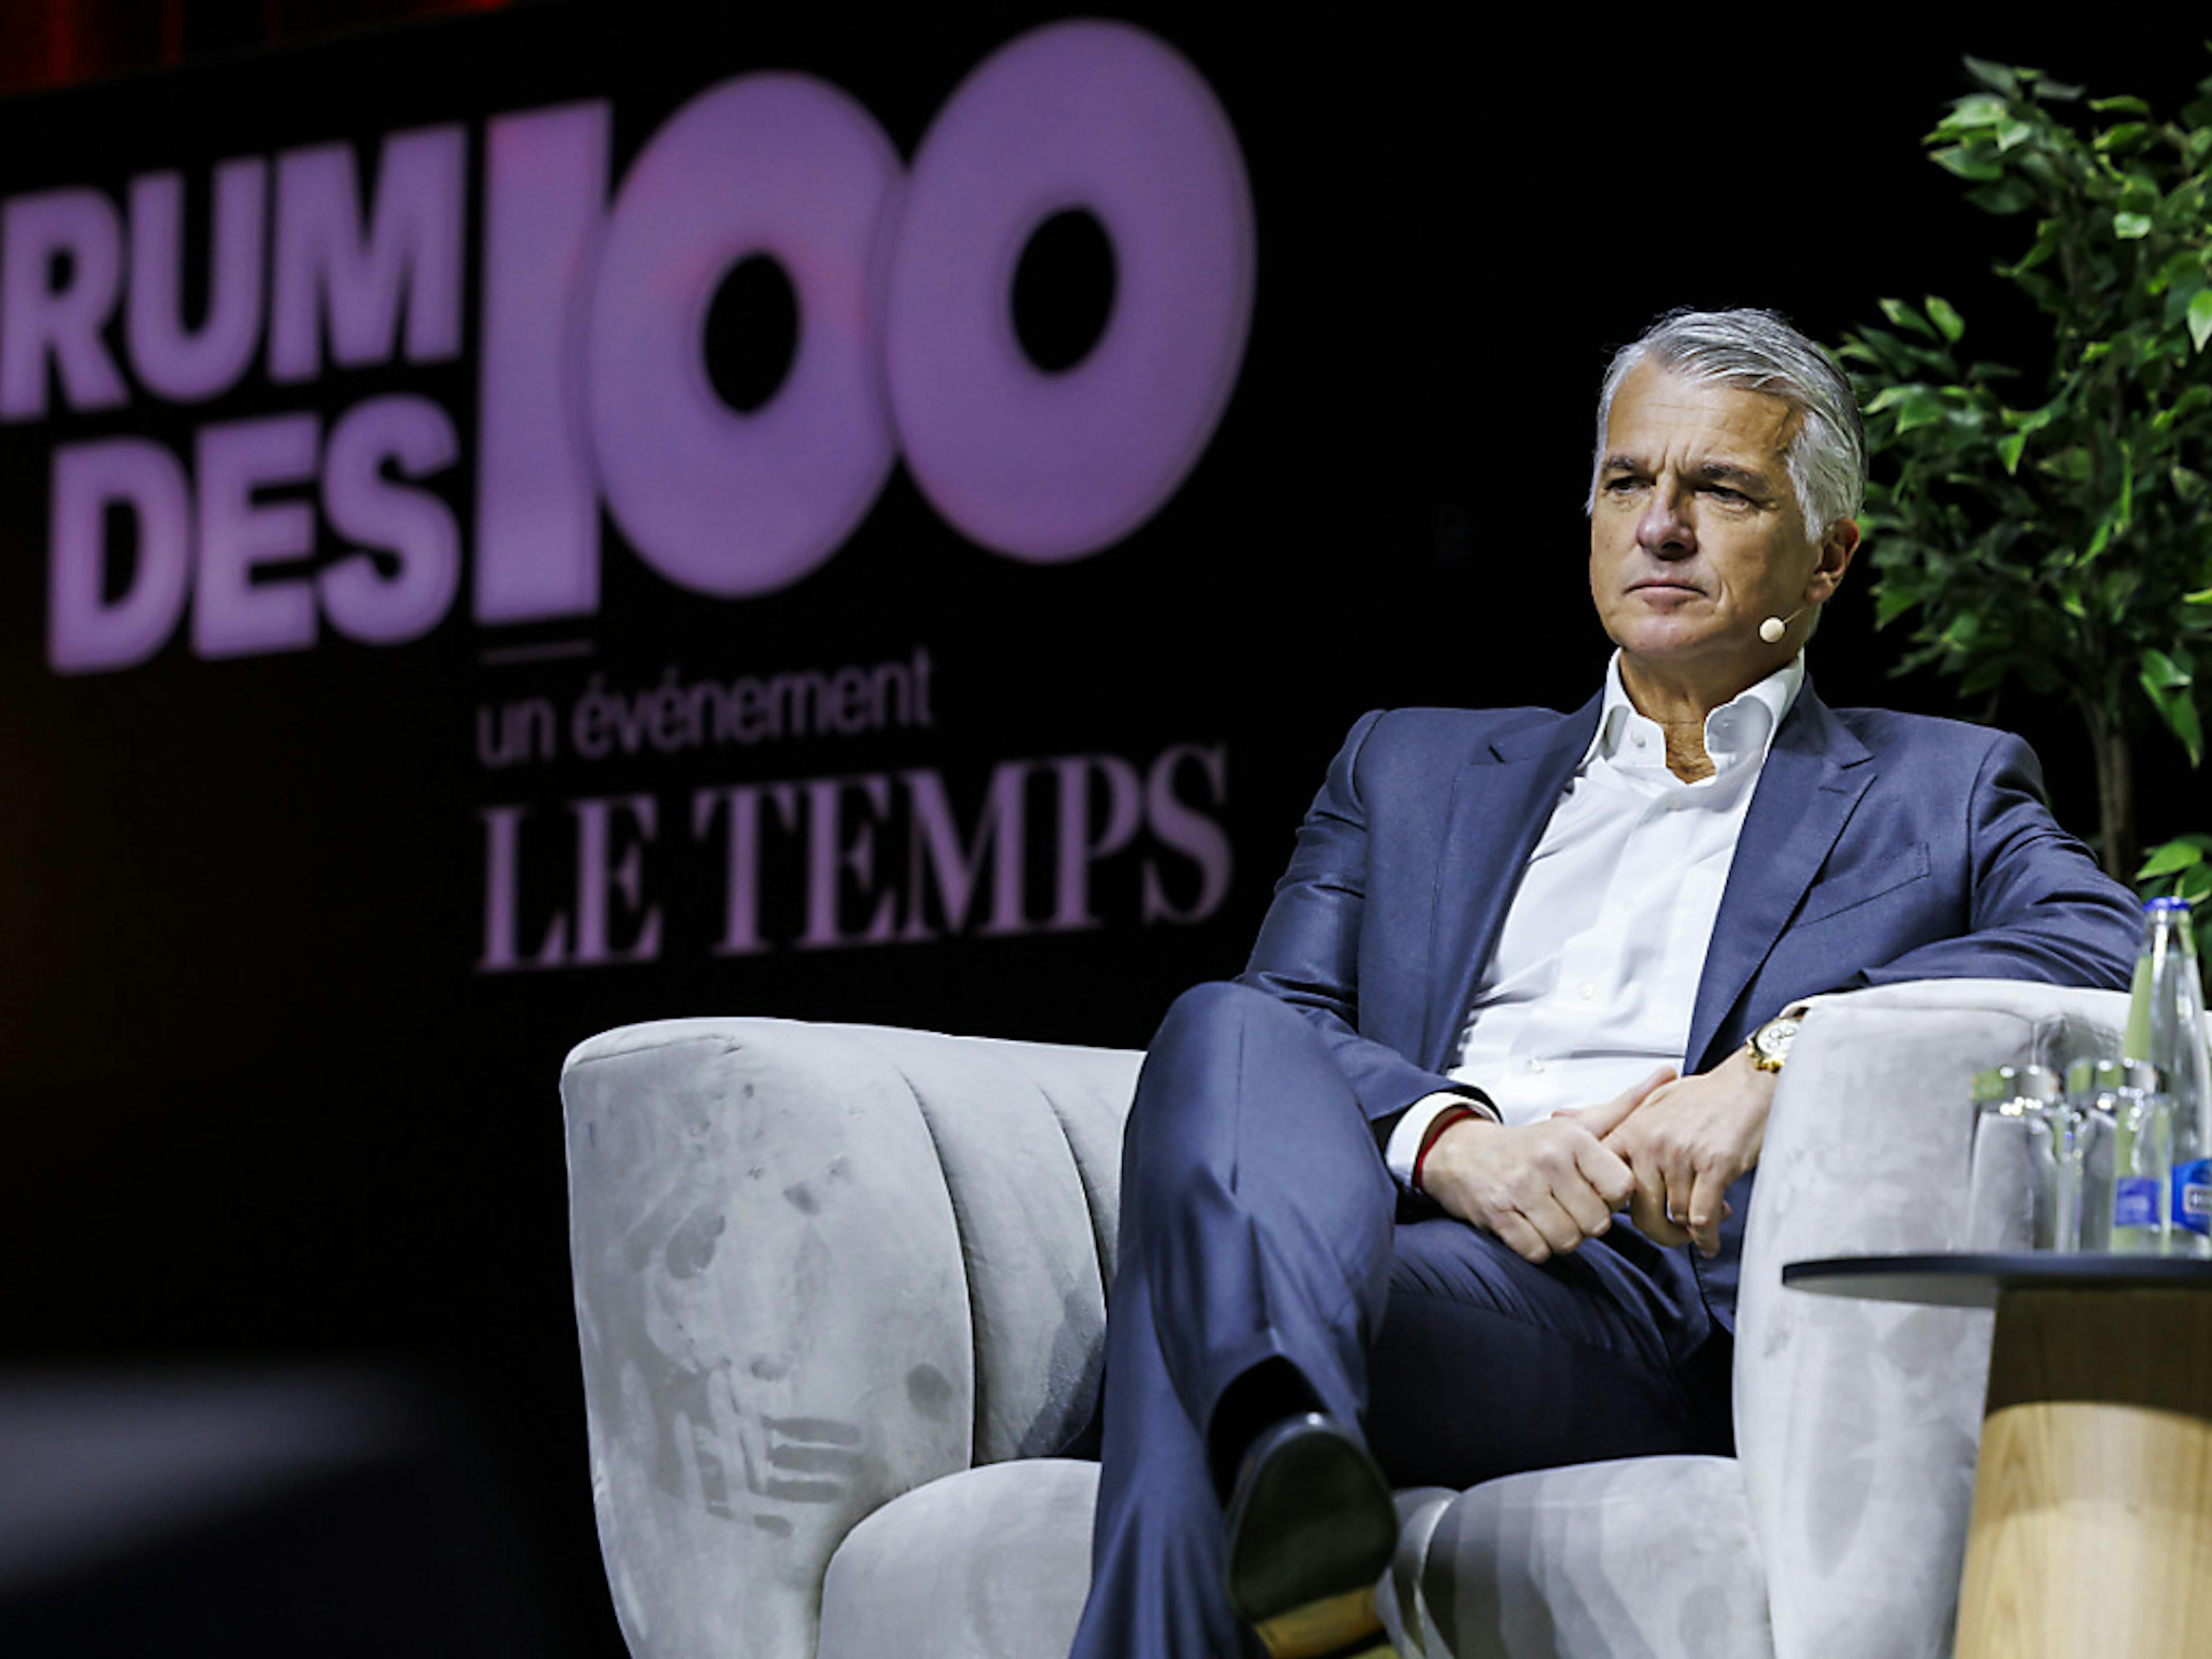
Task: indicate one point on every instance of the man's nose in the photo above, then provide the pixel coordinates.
(1664, 530)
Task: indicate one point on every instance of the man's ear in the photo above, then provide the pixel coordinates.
(1836, 548)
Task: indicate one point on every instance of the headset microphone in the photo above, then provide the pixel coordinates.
(1770, 630)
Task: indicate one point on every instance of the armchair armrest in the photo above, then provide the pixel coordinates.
(816, 1267)
(1858, 1422)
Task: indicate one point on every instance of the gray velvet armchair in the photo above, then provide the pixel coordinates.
(840, 1291)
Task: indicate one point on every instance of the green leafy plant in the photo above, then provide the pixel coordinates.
(2051, 529)
(2182, 865)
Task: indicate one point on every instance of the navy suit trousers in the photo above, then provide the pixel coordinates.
(1258, 1223)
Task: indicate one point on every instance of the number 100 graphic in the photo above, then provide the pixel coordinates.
(594, 379)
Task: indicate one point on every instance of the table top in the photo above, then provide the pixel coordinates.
(1974, 1278)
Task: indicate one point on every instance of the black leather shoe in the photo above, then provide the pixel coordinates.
(1310, 1530)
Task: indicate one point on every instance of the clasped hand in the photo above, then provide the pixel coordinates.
(1664, 1150)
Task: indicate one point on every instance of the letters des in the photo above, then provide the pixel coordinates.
(592, 387)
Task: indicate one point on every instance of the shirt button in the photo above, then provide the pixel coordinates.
(1536, 1064)
(1588, 991)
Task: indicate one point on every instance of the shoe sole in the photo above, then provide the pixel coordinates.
(1344, 1626)
(1312, 1597)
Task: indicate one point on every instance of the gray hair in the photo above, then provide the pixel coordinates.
(1757, 351)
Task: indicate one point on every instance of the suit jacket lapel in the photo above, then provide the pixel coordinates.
(1813, 778)
(1500, 802)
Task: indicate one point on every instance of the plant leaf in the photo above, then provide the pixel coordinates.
(1976, 109)
(1965, 629)
(2162, 673)
(1906, 317)
(2181, 717)
(1941, 314)
(2131, 226)
(2200, 318)
(2007, 196)
(1919, 407)
(1996, 77)
(2168, 857)
(1966, 164)
(2071, 464)
(1891, 601)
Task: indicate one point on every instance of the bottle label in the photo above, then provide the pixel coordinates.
(2192, 1195)
(2135, 1202)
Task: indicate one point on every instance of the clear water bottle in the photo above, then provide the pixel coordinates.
(2017, 1168)
(2165, 1028)
(2118, 1156)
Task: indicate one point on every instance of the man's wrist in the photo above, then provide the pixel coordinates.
(1446, 1119)
(1409, 1134)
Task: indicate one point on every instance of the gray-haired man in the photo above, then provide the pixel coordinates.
(1528, 971)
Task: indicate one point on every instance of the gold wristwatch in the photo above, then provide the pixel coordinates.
(1769, 1045)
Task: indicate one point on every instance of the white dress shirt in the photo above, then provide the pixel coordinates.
(1591, 983)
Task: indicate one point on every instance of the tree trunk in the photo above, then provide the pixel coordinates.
(2116, 790)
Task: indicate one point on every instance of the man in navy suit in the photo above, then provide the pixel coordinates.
(1528, 971)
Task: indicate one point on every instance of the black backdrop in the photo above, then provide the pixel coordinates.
(261, 1100)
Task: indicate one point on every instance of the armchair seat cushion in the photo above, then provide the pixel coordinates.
(992, 1562)
(1651, 1558)
(1648, 1557)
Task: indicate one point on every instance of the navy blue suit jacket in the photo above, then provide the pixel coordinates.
(1877, 847)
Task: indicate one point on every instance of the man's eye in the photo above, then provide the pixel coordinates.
(1618, 486)
(1725, 493)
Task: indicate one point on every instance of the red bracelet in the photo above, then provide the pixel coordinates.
(1442, 1122)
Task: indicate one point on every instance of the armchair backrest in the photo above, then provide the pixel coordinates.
(817, 1267)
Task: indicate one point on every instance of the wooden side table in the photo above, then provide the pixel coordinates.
(2092, 1529)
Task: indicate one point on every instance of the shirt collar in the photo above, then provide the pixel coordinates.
(1740, 730)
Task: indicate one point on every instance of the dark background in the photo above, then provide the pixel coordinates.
(259, 1108)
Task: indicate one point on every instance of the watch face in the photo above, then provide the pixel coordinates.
(1772, 1039)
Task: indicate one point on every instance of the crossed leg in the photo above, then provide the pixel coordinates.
(1259, 1229)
